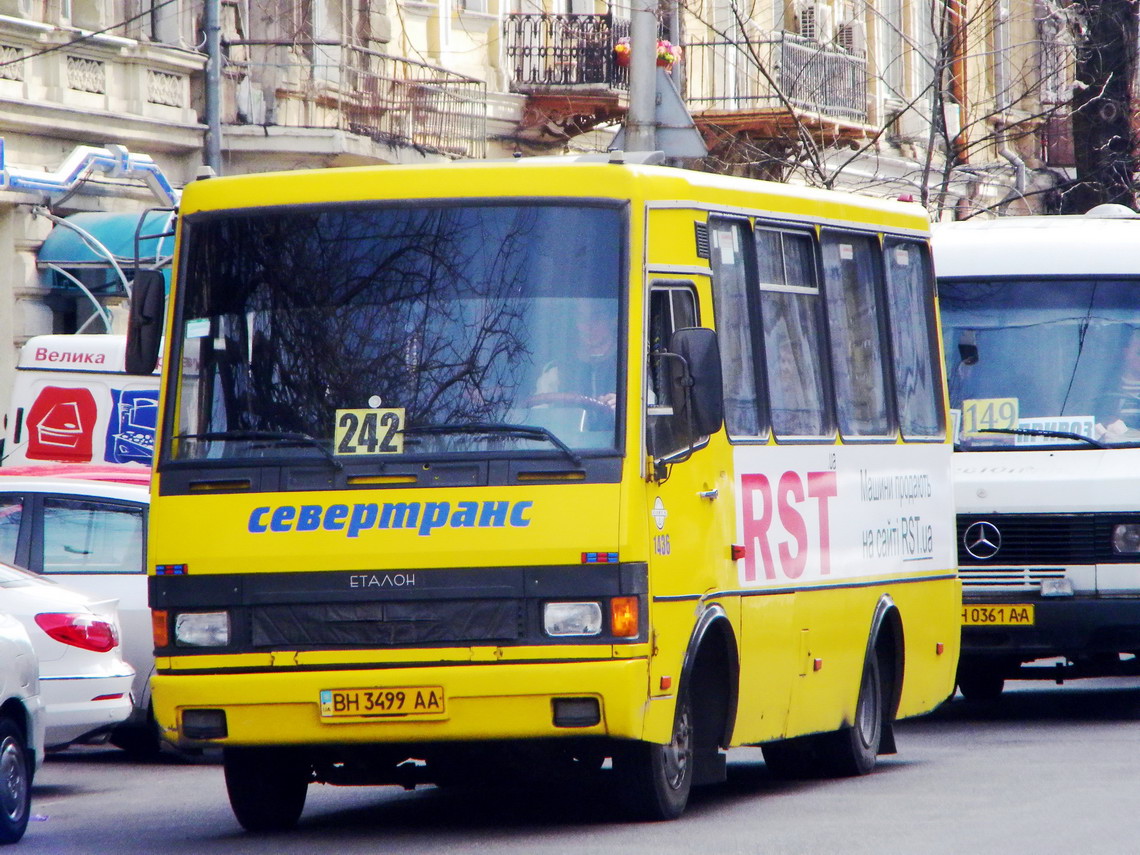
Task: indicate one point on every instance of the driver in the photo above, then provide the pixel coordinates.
(592, 372)
(1125, 397)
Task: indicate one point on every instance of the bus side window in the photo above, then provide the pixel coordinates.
(743, 404)
(671, 307)
(910, 303)
(851, 276)
(791, 310)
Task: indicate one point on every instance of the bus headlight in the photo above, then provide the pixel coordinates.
(1126, 538)
(202, 629)
(572, 619)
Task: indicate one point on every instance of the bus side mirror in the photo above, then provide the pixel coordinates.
(144, 328)
(698, 375)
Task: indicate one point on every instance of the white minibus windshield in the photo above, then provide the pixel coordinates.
(1033, 362)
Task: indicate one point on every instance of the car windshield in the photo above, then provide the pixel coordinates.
(349, 330)
(1033, 363)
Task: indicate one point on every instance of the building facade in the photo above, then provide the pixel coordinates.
(106, 107)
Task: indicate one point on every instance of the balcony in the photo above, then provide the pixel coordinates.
(770, 88)
(766, 89)
(396, 102)
(565, 65)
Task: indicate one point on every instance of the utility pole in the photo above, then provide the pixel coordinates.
(213, 26)
(640, 121)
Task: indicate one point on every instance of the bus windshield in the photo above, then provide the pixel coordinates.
(1034, 363)
(486, 327)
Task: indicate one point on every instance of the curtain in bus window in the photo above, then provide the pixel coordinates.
(909, 295)
(850, 274)
(793, 346)
(734, 331)
(82, 536)
(11, 514)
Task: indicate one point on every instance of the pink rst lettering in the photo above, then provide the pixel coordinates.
(823, 486)
(793, 522)
(756, 527)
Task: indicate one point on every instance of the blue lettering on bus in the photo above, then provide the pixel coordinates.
(424, 518)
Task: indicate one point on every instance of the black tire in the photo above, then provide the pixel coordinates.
(793, 759)
(854, 750)
(15, 782)
(267, 786)
(979, 682)
(139, 739)
(655, 780)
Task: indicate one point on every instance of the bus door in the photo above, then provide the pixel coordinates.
(690, 498)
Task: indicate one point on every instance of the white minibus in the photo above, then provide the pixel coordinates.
(1041, 320)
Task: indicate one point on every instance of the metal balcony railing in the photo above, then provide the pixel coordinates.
(565, 50)
(727, 76)
(328, 85)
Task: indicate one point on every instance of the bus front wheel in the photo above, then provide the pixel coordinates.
(655, 780)
(267, 786)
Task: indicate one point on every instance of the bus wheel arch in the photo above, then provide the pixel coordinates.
(656, 779)
(711, 670)
(854, 748)
(886, 641)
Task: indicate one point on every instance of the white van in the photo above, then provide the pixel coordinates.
(72, 403)
(1041, 322)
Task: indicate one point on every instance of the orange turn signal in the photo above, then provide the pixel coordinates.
(623, 617)
(160, 627)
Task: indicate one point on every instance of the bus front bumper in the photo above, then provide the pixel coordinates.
(476, 703)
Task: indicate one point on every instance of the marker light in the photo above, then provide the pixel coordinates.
(623, 617)
(202, 629)
(561, 619)
(160, 627)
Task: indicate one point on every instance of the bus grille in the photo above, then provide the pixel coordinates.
(1044, 542)
(376, 624)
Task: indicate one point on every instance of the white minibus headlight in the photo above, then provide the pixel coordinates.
(1126, 538)
(560, 619)
(202, 629)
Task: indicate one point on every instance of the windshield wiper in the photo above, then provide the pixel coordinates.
(1060, 434)
(520, 431)
(281, 436)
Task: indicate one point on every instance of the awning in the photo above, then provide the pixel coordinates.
(66, 247)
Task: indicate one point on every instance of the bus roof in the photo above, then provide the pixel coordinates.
(1070, 245)
(567, 177)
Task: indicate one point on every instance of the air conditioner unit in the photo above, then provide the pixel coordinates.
(911, 126)
(852, 37)
(815, 21)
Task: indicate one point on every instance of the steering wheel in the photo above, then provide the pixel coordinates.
(569, 399)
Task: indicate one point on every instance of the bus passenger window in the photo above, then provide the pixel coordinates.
(793, 345)
(910, 290)
(850, 276)
(742, 413)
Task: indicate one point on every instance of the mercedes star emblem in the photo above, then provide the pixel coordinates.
(982, 540)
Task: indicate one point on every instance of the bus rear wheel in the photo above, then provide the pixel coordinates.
(655, 780)
(855, 749)
(267, 786)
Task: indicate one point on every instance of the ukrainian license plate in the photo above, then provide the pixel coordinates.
(1007, 614)
(402, 701)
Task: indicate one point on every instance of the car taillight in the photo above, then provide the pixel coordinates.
(79, 630)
